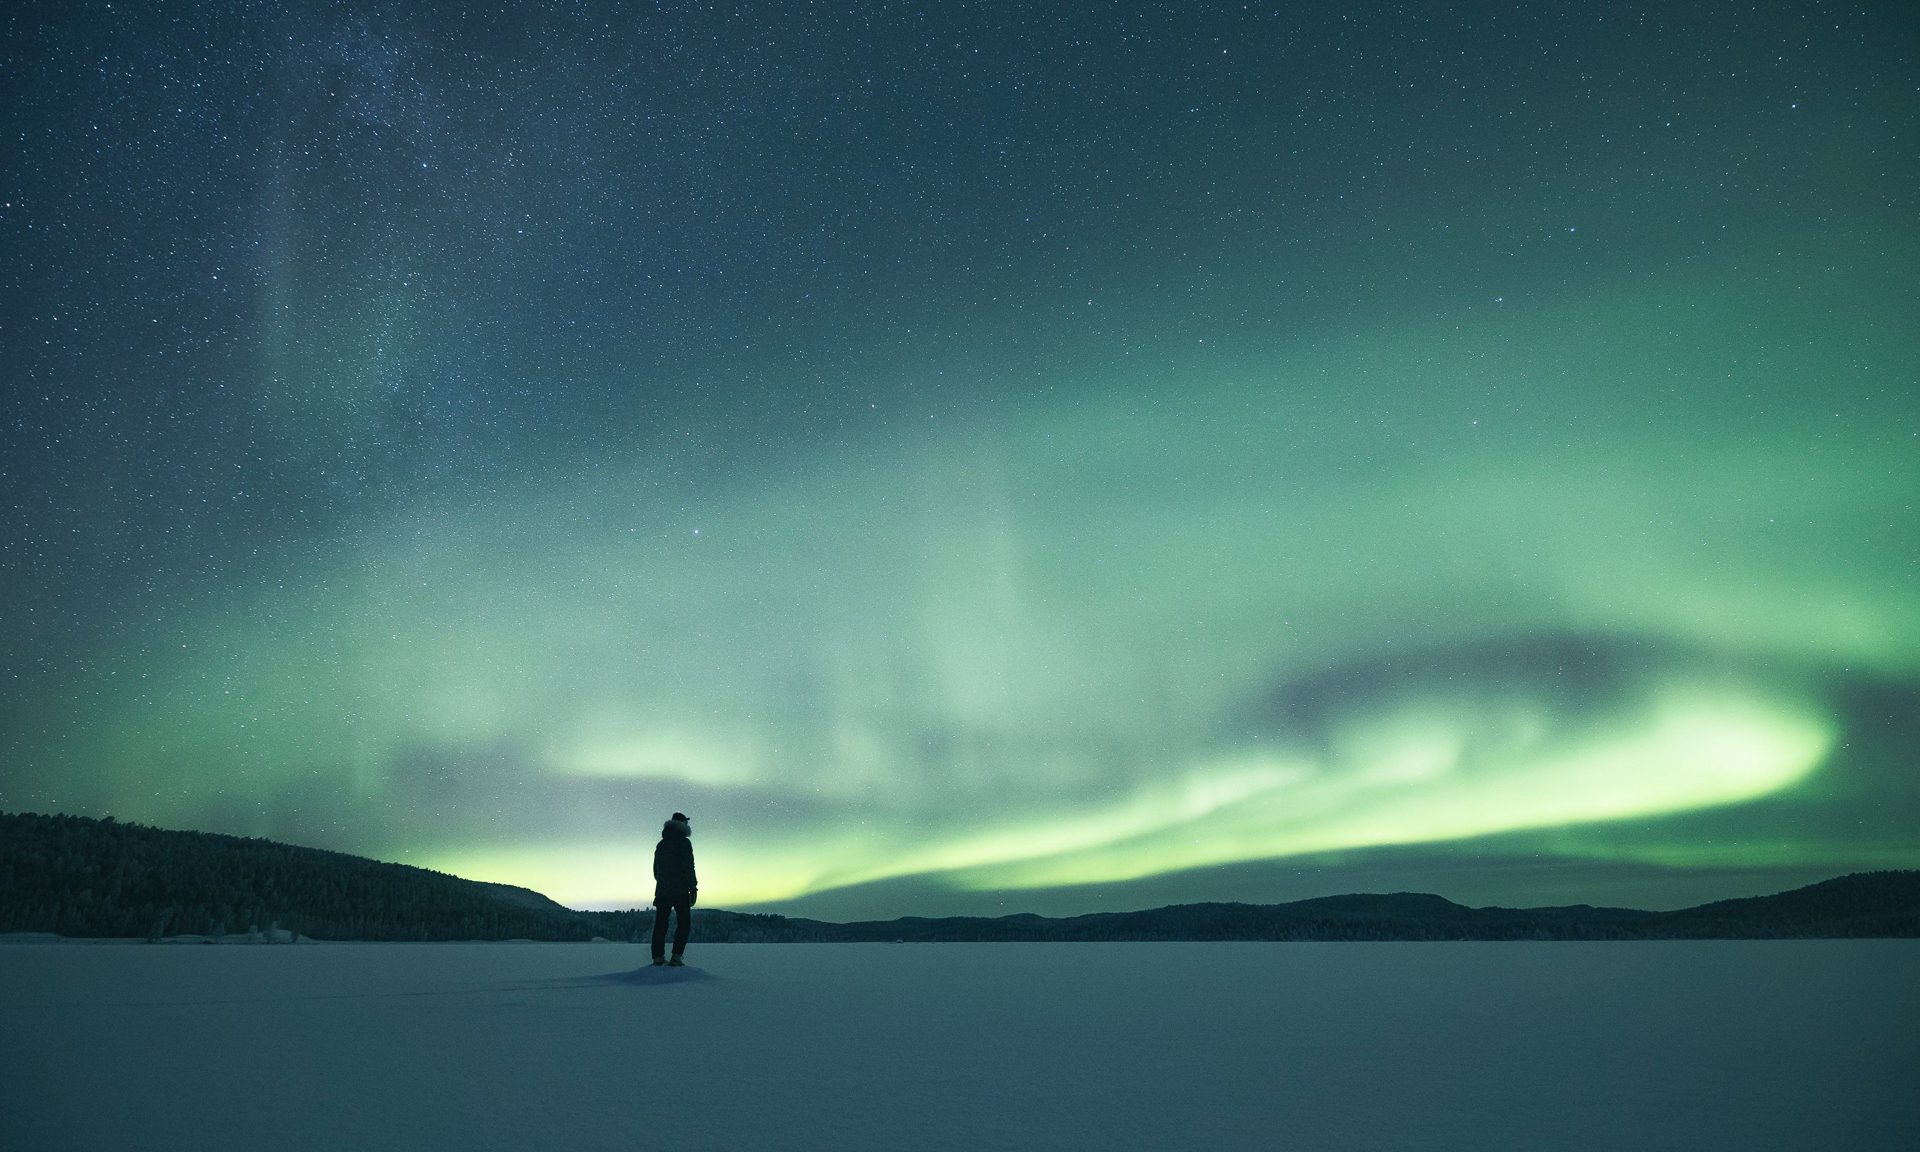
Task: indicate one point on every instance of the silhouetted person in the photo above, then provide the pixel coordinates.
(674, 887)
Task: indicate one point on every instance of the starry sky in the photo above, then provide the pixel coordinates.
(972, 457)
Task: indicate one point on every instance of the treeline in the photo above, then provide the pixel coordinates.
(77, 876)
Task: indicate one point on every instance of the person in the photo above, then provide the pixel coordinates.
(675, 888)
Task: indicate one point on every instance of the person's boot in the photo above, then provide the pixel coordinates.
(659, 960)
(676, 962)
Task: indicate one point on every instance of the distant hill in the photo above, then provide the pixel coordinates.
(82, 877)
(77, 876)
(1863, 904)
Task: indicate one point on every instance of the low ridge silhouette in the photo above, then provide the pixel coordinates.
(81, 877)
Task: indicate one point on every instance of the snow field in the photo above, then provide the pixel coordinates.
(1668, 1045)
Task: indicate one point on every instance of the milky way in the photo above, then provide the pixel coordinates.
(973, 459)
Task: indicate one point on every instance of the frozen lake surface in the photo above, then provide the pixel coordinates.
(1669, 1045)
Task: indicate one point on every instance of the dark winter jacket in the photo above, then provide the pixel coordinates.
(673, 879)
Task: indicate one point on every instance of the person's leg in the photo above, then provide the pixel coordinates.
(683, 914)
(660, 931)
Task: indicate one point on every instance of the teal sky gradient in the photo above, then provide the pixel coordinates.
(1540, 524)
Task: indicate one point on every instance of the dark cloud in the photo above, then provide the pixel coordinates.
(1578, 673)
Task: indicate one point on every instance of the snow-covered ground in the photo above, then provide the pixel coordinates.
(1681, 1045)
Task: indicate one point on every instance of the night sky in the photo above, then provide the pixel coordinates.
(972, 457)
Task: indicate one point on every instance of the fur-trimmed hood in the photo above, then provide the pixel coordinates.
(673, 829)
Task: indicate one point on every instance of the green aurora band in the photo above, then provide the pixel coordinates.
(973, 458)
(1540, 581)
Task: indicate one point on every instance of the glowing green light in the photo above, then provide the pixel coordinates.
(1032, 648)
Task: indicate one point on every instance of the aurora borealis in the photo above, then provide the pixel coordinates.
(973, 458)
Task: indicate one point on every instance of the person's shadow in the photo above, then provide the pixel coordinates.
(647, 976)
(652, 975)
